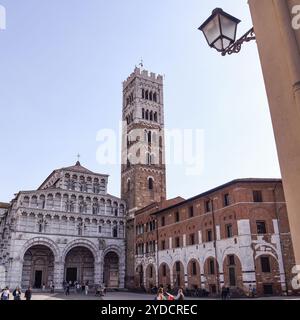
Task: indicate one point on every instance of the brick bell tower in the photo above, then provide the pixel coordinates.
(143, 173)
(143, 146)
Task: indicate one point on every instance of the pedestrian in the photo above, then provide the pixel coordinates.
(180, 295)
(86, 288)
(78, 287)
(223, 293)
(250, 291)
(17, 294)
(67, 292)
(253, 292)
(52, 288)
(43, 287)
(5, 294)
(227, 296)
(160, 294)
(28, 294)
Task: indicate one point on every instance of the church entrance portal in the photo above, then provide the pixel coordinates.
(79, 266)
(111, 270)
(38, 267)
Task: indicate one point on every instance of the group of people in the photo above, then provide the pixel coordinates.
(81, 288)
(17, 294)
(165, 295)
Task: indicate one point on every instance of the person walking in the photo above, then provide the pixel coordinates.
(78, 288)
(17, 294)
(67, 290)
(5, 294)
(86, 288)
(227, 296)
(223, 293)
(180, 295)
(28, 294)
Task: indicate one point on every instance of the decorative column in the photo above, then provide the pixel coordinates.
(98, 270)
(122, 272)
(58, 274)
(186, 279)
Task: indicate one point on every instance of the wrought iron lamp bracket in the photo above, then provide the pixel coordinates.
(237, 46)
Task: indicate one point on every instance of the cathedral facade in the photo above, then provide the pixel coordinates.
(69, 229)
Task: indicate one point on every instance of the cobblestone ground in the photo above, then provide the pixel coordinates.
(124, 296)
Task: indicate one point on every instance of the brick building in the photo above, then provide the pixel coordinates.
(236, 235)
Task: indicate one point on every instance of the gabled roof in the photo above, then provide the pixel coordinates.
(78, 168)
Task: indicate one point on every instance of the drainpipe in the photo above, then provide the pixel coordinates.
(157, 241)
(215, 244)
(279, 231)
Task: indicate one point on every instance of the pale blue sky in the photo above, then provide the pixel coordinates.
(62, 63)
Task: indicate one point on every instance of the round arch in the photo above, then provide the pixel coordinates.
(150, 276)
(81, 243)
(42, 242)
(268, 274)
(232, 270)
(178, 274)
(211, 268)
(193, 273)
(38, 267)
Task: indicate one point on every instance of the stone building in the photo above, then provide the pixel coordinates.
(236, 235)
(143, 177)
(69, 229)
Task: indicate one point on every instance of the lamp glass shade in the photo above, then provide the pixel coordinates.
(228, 27)
(212, 30)
(220, 29)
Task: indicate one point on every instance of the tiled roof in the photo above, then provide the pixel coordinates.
(78, 168)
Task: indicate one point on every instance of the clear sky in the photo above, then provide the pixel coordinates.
(62, 63)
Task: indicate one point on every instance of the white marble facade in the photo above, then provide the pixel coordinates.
(70, 229)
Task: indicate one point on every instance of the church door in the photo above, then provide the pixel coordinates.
(38, 279)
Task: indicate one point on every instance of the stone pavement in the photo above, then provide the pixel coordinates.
(125, 296)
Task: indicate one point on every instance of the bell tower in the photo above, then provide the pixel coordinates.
(143, 179)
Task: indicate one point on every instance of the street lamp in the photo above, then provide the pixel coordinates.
(220, 32)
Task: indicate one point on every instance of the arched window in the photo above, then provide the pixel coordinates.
(143, 93)
(147, 115)
(155, 116)
(150, 183)
(115, 232)
(151, 96)
(148, 158)
(143, 113)
(151, 115)
(128, 185)
(155, 97)
(149, 137)
(147, 95)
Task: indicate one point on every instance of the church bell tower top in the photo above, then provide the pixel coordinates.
(143, 74)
